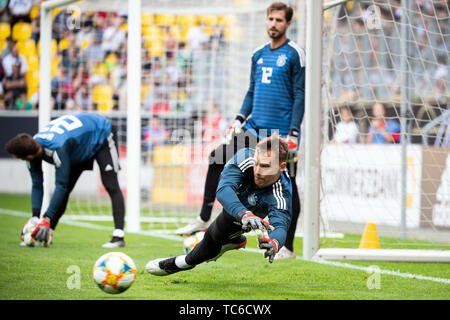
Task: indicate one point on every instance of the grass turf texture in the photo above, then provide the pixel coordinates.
(41, 273)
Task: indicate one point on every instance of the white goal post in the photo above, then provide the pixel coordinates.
(317, 137)
(134, 102)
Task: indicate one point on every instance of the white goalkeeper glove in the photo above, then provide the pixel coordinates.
(234, 128)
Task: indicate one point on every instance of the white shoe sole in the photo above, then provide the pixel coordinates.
(191, 228)
(113, 245)
(153, 268)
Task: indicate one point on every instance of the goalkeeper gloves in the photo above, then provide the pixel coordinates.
(292, 140)
(43, 232)
(270, 245)
(252, 222)
(234, 128)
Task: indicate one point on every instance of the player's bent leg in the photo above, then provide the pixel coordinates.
(217, 160)
(108, 161)
(233, 244)
(222, 232)
(118, 206)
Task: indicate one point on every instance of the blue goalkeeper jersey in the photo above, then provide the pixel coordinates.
(276, 95)
(237, 193)
(68, 141)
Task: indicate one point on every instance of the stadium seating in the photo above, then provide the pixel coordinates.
(21, 31)
(5, 30)
(63, 44)
(27, 47)
(33, 62)
(32, 78)
(54, 66)
(34, 12)
(165, 19)
(147, 19)
(209, 20)
(187, 20)
(102, 96)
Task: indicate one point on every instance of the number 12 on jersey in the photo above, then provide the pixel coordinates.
(266, 74)
(68, 122)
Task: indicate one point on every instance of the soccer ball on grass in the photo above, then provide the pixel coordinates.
(114, 272)
(190, 242)
(27, 231)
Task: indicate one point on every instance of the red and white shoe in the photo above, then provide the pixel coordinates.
(197, 225)
(285, 253)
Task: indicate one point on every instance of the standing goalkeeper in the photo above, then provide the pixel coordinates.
(274, 103)
(254, 186)
(71, 143)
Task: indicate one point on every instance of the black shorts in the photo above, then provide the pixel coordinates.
(108, 156)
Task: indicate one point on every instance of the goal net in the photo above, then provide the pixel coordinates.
(195, 57)
(385, 140)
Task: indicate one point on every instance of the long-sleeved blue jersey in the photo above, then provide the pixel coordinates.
(66, 141)
(276, 95)
(237, 193)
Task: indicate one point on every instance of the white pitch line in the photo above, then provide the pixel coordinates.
(177, 238)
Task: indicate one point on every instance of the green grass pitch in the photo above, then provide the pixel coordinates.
(44, 273)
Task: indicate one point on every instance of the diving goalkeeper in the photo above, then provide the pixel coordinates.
(254, 185)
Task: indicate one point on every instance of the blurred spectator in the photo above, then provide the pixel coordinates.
(87, 32)
(15, 88)
(196, 37)
(119, 74)
(94, 52)
(8, 48)
(14, 58)
(62, 88)
(346, 129)
(113, 36)
(20, 10)
(4, 14)
(2, 77)
(441, 77)
(382, 130)
(161, 104)
(155, 134)
(61, 23)
(83, 98)
(173, 70)
(72, 61)
(36, 27)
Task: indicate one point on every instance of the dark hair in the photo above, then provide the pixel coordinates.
(280, 6)
(275, 143)
(22, 145)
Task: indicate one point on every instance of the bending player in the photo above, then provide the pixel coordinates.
(71, 143)
(254, 185)
(274, 103)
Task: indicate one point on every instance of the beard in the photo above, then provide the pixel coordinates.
(277, 34)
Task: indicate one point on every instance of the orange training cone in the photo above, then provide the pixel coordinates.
(369, 239)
